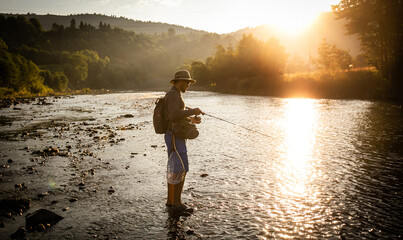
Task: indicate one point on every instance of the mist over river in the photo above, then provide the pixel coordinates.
(331, 169)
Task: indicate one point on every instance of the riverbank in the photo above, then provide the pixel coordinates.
(59, 154)
(357, 84)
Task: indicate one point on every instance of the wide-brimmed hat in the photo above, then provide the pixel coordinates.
(182, 75)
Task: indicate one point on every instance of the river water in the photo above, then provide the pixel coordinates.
(324, 169)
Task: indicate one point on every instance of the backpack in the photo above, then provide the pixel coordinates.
(159, 121)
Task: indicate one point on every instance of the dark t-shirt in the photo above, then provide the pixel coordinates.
(174, 106)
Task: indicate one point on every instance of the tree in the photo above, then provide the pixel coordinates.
(57, 81)
(332, 58)
(171, 32)
(379, 25)
(37, 25)
(18, 73)
(73, 23)
(252, 67)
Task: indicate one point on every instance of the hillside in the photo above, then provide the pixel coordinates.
(302, 44)
(121, 22)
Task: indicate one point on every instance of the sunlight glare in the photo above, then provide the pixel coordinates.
(299, 139)
(289, 17)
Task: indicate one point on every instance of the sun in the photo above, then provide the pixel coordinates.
(290, 17)
(292, 24)
(291, 20)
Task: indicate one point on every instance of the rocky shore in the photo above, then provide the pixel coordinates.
(58, 161)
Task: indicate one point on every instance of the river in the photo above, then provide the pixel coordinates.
(322, 169)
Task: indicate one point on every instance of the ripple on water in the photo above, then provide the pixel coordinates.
(331, 169)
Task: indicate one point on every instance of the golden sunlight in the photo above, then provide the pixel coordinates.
(299, 139)
(290, 17)
(292, 22)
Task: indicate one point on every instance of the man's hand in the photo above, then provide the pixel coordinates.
(198, 111)
(195, 119)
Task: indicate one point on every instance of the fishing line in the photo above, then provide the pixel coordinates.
(240, 126)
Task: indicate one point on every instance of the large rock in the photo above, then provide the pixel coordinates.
(41, 218)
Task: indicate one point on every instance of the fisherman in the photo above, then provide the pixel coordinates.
(175, 111)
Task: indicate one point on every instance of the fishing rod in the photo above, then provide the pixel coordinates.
(224, 120)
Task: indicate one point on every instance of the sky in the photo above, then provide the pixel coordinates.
(220, 16)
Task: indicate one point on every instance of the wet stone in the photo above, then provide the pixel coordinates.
(41, 195)
(41, 219)
(190, 232)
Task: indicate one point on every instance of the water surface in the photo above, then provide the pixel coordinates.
(329, 169)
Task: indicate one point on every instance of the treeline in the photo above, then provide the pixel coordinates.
(84, 56)
(17, 74)
(255, 67)
(81, 55)
(252, 67)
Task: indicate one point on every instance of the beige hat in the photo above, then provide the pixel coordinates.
(182, 75)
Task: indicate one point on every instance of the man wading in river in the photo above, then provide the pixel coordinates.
(176, 113)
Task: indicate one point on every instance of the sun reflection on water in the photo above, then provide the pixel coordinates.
(296, 170)
(299, 138)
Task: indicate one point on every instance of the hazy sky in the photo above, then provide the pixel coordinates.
(221, 16)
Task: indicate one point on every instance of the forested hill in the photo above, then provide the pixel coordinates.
(77, 55)
(326, 26)
(94, 20)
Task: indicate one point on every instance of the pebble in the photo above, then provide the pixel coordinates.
(40, 195)
(190, 232)
(204, 175)
(65, 209)
(73, 199)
